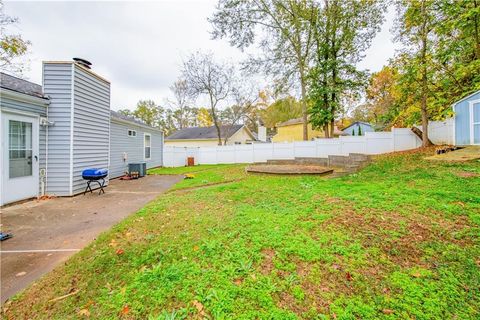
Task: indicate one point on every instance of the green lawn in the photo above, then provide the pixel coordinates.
(400, 239)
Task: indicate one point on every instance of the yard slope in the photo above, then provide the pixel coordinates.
(399, 239)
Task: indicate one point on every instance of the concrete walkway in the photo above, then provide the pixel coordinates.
(48, 232)
(465, 154)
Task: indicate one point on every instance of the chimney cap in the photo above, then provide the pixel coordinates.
(83, 62)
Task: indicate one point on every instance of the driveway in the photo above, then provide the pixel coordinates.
(48, 232)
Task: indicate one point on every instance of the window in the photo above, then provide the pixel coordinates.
(236, 142)
(20, 148)
(147, 144)
(132, 133)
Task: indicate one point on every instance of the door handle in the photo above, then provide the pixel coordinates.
(36, 158)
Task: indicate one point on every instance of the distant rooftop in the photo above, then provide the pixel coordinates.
(121, 116)
(290, 122)
(204, 133)
(19, 85)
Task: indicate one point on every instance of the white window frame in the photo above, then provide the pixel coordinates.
(145, 146)
(134, 133)
(472, 123)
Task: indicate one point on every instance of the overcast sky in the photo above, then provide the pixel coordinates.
(138, 46)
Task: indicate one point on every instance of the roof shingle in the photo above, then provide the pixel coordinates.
(19, 85)
(201, 133)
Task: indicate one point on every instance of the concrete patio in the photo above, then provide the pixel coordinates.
(48, 232)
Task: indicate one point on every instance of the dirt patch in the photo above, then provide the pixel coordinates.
(267, 264)
(400, 236)
(467, 174)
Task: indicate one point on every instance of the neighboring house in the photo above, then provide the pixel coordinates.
(355, 128)
(292, 130)
(466, 124)
(208, 137)
(50, 135)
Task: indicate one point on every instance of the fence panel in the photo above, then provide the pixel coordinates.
(371, 143)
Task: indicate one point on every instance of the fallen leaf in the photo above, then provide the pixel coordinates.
(199, 306)
(238, 281)
(125, 309)
(120, 251)
(387, 311)
(20, 274)
(84, 312)
(195, 248)
(113, 243)
(416, 274)
(349, 276)
(123, 290)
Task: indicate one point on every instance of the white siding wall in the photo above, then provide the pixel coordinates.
(91, 125)
(57, 84)
(121, 143)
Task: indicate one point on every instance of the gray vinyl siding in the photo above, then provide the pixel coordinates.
(41, 110)
(57, 84)
(121, 143)
(91, 125)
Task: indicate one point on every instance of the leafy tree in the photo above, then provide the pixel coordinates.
(126, 112)
(382, 104)
(344, 29)
(281, 110)
(150, 113)
(439, 63)
(457, 53)
(204, 118)
(359, 130)
(417, 21)
(286, 40)
(206, 77)
(12, 46)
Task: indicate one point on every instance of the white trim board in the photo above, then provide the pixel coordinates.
(472, 123)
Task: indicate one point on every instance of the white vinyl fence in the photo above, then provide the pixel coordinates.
(371, 143)
(441, 132)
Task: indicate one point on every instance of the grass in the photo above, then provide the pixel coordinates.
(400, 239)
(205, 175)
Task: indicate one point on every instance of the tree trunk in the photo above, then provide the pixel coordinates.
(424, 90)
(332, 128)
(304, 104)
(476, 32)
(325, 130)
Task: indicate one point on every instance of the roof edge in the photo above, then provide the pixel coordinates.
(24, 97)
(466, 97)
(120, 120)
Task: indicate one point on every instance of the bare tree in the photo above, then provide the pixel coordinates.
(182, 114)
(245, 98)
(206, 77)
